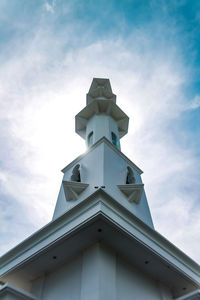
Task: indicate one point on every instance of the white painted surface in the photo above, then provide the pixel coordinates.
(99, 274)
(102, 126)
(115, 171)
(164, 292)
(34, 256)
(11, 292)
(64, 283)
(91, 169)
(103, 166)
(132, 284)
(191, 296)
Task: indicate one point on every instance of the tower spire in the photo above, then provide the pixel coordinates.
(101, 117)
(102, 124)
(100, 89)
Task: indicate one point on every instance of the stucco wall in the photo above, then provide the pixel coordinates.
(133, 284)
(115, 171)
(99, 274)
(104, 167)
(102, 125)
(63, 283)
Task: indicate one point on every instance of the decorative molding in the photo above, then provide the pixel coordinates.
(73, 189)
(8, 290)
(191, 296)
(100, 89)
(105, 107)
(133, 192)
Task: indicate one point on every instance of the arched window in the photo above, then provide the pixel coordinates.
(114, 139)
(90, 139)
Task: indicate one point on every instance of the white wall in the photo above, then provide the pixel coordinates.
(102, 125)
(99, 274)
(64, 283)
(133, 284)
(115, 171)
(102, 166)
(91, 169)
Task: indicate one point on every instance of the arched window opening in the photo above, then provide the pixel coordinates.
(114, 139)
(130, 178)
(76, 176)
(90, 139)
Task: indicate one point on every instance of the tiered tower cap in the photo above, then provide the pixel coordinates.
(100, 89)
(101, 116)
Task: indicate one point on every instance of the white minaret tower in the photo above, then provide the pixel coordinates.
(101, 243)
(102, 124)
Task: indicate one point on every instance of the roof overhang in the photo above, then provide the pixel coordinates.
(191, 296)
(78, 228)
(96, 107)
(9, 290)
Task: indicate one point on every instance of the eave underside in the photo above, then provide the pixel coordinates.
(99, 223)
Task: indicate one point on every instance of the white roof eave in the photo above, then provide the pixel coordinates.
(101, 107)
(102, 205)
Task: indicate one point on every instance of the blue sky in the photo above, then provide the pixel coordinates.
(49, 53)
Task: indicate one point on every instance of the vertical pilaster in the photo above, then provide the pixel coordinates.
(98, 274)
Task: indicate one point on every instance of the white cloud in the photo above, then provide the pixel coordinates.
(194, 104)
(49, 7)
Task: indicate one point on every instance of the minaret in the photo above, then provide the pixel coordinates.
(102, 124)
(101, 243)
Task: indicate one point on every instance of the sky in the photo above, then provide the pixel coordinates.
(49, 53)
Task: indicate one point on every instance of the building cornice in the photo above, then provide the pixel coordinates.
(191, 296)
(8, 289)
(100, 203)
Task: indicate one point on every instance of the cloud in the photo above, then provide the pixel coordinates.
(49, 7)
(194, 104)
